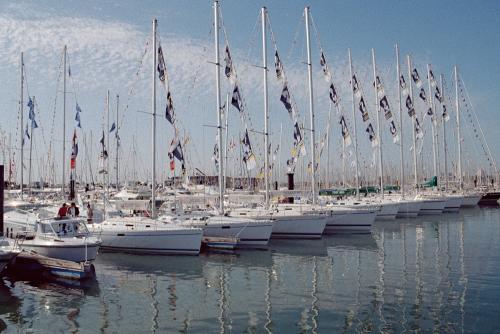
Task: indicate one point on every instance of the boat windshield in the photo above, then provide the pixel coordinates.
(66, 228)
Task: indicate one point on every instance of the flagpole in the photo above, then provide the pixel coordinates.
(266, 107)
(117, 138)
(458, 131)
(64, 128)
(21, 105)
(413, 124)
(377, 111)
(401, 141)
(226, 138)
(31, 149)
(219, 118)
(354, 123)
(431, 105)
(153, 126)
(311, 108)
(445, 147)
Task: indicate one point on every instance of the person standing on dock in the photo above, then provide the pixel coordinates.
(90, 214)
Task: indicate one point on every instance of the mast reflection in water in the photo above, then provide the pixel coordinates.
(438, 274)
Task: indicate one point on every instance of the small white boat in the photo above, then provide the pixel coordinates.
(142, 235)
(64, 239)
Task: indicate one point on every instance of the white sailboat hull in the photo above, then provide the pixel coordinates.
(432, 207)
(409, 209)
(147, 237)
(299, 227)
(470, 200)
(249, 232)
(388, 211)
(350, 221)
(453, 204)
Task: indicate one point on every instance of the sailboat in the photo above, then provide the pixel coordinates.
(149, 235)
(247, 230)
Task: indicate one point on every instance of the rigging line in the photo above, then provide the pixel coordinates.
(253, 38)
(479, 124)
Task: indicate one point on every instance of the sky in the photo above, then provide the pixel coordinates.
(108, 50)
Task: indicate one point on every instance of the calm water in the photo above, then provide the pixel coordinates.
(439, 274)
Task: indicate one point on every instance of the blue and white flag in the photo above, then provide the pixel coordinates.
(248, 156)
(345, 131)
(286, 99)
(113, 127)
(363, 109)
(77, 116)
(409, 106)
(26, 133)
(229, 71)
(169, 109)
(333, 95)
(161, 67)
(371, 135)
(236, 99)
(278, 66)
(416, 78)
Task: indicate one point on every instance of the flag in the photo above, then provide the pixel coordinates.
(394, 131)
(345, 131)
(418, 129)
(31, 106)
(432, 79)
(380, 88)
(26, 133)
(355, 86)
(409, 106)
(248, 156)
(74, 151)
(176, 150)
(371, 135)
(363, 110)
(113, 127)
(422, 94)
(215, 156)
(298, 142)
(384, 104)
(324, 67)
(104, 152)
(77, 116)
(169, 109)
(430, 112)
(287, 100)
(333, 95)
(278, 65)
(416, 78)
(402, 84)
(236, 99)
(229, 64)
(438, 95)
(161, 68)
(446, 117)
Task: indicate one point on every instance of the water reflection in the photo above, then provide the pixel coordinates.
(436, 274)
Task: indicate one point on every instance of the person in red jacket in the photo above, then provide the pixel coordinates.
(63, 210)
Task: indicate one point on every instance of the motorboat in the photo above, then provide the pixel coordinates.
(66, 239)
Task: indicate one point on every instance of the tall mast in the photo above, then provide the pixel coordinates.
(354, 123)
(31, 151)
(279, 154)
(117, 138)
(21, 107)
(263, 13)
(431, 105)
(327, 169)
(458, 132)
(63, 186)
(219, 118)
(413, 124)
(401, 141)
(107, 143)
(311, 108)
(226, 138)
(153, 127)
(445, 147)
(377, 111)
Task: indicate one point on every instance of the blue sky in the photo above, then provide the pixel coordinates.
(106, 39)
